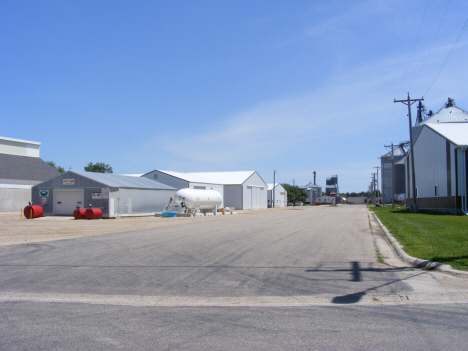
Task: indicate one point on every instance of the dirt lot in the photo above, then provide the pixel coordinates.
(16, 230)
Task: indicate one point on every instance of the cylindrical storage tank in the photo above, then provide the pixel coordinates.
(79, 214)
(93, 213)
(198, 198)
(37, 211)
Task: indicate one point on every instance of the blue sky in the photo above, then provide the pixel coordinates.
(292, 86)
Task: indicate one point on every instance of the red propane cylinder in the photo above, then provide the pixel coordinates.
(33, 211)
(93, 213)
(79, 214)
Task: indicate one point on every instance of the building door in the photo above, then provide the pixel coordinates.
(65, 201)
(282, 199)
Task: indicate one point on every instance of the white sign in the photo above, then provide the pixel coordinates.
(69, 182)
(105, 193)
(96, 196)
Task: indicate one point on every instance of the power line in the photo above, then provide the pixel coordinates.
(432, 45)
(414, 48)
(448, 56)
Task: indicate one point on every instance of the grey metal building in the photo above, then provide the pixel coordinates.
(397, 175)
(115, 195)
(314, 191)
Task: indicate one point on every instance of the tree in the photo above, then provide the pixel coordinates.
(98, 168)
(295, 193)
(58, 168)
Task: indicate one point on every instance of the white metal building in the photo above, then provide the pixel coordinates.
(180, 180)
(115, 195)
(441, 162)
(20, 169)
(280, 196)
(240, 190)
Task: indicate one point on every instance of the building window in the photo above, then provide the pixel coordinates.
(155, 176)
(436, 190)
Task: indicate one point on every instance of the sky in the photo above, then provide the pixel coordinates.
(200, 86)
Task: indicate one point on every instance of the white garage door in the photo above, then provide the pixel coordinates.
(283, 199)
(65, 201)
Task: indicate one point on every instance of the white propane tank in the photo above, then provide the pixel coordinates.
(198, 198)
(401, 197)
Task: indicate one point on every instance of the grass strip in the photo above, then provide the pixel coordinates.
(430, 236)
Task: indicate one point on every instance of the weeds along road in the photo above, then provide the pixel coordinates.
(296, 279)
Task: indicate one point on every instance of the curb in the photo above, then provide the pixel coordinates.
(416, 262)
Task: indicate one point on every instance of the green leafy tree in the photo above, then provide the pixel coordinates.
(98, 168)
(295, 194)
(58, 168)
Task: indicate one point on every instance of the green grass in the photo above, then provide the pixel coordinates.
(440, 238)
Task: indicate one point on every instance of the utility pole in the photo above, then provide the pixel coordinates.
(373, 184)
(409, 102)
(274, 188)
(393, 175)
(383, 203)
(373, 187)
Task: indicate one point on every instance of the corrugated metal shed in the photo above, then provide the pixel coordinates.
(115, 195)
(457, 133)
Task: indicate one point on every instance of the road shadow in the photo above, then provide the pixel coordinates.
(356, 276)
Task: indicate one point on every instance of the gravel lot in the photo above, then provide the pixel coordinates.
(16, 229)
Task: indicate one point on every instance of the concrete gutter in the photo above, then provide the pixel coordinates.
(416, 262)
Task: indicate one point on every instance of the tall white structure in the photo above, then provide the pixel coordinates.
(441, 161)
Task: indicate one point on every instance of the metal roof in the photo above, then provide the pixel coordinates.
(226, 178)
(451, 114)
(21, 141)
(270, 186)
(190, 177)
(25, 168)
(457, 133)
(120, 181)
(311, 185)
(397, 151)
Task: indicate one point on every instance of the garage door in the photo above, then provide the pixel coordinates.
(283, 199)
(66, 200)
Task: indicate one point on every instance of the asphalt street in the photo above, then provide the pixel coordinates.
(296, 279)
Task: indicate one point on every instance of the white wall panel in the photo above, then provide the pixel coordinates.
(431, 163)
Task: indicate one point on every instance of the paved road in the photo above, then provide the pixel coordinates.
(294, 279)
